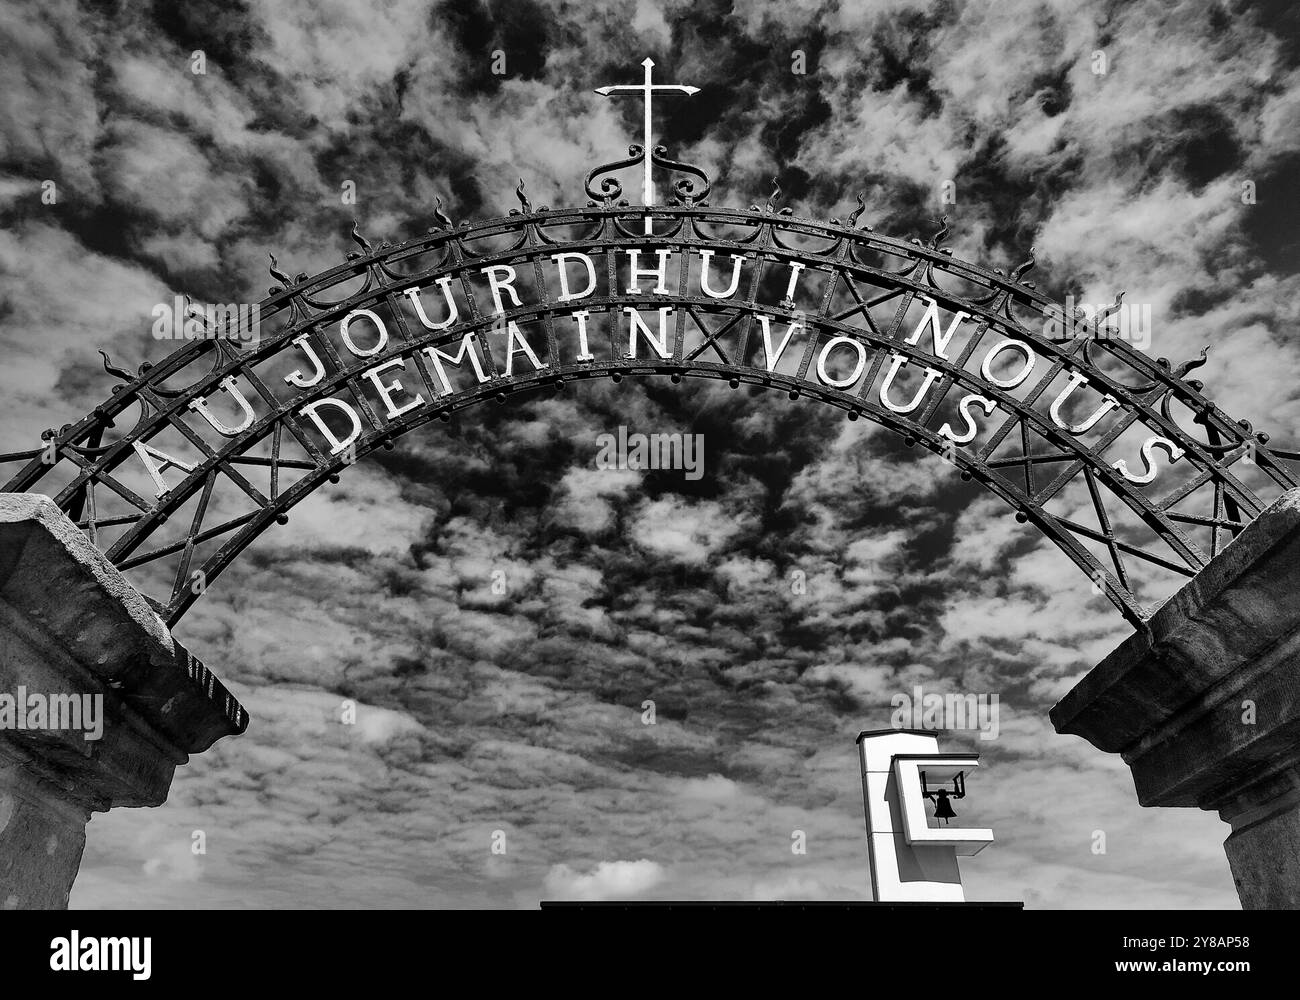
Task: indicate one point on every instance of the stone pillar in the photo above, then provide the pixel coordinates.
(1203, 703)
(78, 641)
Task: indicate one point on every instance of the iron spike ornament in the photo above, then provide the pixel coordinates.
(1121, 462)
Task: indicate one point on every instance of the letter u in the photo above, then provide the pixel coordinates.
(896, 362)
(1108, 403)
(453, 311)
(706, 260)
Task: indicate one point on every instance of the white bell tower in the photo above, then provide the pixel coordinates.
(911, 861)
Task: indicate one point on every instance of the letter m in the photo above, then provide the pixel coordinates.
(931, 319)
(437, 357)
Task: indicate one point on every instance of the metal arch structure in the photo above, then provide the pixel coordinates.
(179, 489)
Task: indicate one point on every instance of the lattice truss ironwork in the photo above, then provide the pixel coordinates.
(172, 476)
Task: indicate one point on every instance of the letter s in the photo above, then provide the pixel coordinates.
(1148, 459)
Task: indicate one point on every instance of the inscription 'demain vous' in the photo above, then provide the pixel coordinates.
(839, 364)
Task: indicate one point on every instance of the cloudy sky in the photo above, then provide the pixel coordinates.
(521, 712)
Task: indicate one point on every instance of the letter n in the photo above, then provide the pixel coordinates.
(939, 340)
(637, 325)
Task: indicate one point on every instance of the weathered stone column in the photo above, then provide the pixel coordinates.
(75, 634)
(1204, 703)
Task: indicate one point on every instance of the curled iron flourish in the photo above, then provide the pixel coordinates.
(361, 241)
(114, 370)
(610, 189)
(441, 216)
(194, 312)
(857, 212)
(1187, 366)
(278, 275)
(940, 236)
(527, 206)
(1106, 313)
(1024, 268)
(770, 207)
(685, 190)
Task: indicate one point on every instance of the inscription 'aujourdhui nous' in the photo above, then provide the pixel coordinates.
(840, 362)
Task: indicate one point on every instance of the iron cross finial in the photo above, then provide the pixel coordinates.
(646, 90)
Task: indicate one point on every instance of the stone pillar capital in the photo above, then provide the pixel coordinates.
(1203, 703)
(78, 644)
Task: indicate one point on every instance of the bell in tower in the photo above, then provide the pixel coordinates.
(941, 796)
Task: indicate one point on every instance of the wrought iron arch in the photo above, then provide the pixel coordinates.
(93, 469)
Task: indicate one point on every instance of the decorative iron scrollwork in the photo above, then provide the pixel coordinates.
(770, 207)
(442, 217)
(685, 192)
(857, 213)
(360, 241)
(525, 206)
(610, 189)
(114, 370)
(935, 242)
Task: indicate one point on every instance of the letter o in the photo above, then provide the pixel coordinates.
(379, 325)
(986, 369)
(857, 370)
